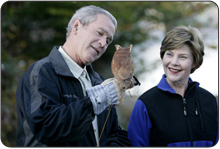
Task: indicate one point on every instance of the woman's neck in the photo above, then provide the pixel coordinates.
(180, 88)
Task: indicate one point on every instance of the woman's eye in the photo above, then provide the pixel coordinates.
(169, 54)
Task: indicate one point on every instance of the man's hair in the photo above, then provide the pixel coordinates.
(181, 35)
(88, 14)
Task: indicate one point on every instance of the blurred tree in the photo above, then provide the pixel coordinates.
(29, 30)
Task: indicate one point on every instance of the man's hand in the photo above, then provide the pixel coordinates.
(106, 94)
(120, 92)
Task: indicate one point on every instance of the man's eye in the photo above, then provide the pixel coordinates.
(108, 41)
(100, 33)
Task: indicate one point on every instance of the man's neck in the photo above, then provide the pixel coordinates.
(72, 54)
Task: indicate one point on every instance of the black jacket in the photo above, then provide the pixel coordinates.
(180, 119)
(52, 110)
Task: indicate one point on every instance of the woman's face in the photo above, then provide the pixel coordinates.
(177, 64)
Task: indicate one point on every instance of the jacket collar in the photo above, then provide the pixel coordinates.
(163, 85)
(61, 68)
(72, 65)
(59, 63)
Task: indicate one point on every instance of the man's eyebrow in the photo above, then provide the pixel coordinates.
(105, 31)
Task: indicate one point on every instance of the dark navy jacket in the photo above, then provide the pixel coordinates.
(52, 110)
(163, 118)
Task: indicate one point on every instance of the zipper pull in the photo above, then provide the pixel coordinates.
(197, 111)
(184, 107)
(184, 111)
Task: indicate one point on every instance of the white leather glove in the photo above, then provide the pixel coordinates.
(106, 94)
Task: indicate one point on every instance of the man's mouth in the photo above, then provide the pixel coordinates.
(174, 71)
(96, 49)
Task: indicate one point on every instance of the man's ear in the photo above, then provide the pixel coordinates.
(75, 26)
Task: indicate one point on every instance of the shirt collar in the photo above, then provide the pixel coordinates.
(163, 85)
(73, 66)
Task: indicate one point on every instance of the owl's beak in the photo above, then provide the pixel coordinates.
(135, 81)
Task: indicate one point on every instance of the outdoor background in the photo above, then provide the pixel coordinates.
(29, 30)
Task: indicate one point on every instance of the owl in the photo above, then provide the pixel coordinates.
(123, 67)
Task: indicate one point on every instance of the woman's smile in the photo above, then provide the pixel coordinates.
(174, 71)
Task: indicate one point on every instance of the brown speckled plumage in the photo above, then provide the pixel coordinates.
(123, 66)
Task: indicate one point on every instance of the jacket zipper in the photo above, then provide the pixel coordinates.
(198, 113)
(190, 87)
(188, 122)
(184, 107)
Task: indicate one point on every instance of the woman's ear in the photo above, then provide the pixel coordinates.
(193, 69)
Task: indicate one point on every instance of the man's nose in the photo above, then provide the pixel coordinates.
(102, 42)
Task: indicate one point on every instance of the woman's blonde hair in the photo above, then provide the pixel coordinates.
(181, 35)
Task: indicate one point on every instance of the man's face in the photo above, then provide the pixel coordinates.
(94, 39)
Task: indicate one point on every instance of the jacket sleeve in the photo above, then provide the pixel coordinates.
(50, 120)
(139, 125)
(217, 135)
(115, 135)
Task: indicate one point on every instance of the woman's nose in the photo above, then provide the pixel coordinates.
(175, 61)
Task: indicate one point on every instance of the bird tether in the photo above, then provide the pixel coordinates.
(123, 70)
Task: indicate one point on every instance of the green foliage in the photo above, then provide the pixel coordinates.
(29, 30)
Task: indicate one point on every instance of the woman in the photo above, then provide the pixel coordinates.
(176, 112)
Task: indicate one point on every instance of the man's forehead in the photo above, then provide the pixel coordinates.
(105, 20)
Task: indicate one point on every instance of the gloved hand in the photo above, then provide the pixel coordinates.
(106, 94)
(120, 92)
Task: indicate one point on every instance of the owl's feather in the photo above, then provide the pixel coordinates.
(123, 66)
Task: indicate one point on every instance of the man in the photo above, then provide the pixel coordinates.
(61, 100)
